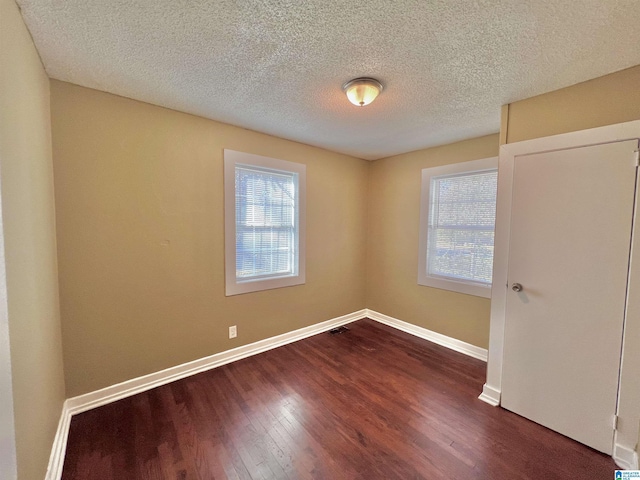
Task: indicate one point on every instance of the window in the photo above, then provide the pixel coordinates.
(264, 222)
(457, 221)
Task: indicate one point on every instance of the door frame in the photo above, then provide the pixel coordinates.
(626, 434)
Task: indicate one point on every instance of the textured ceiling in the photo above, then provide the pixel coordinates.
(277, 66)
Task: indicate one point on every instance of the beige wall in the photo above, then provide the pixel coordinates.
(139, 203)
(602, 101)
(29, 239)
(392, 254)
(140, 237)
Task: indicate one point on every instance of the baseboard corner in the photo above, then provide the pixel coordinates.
(625, 457)
(133, 386)
(140, 384)
(59, 447)
(426, 334)
(104, 396)
(490, 395)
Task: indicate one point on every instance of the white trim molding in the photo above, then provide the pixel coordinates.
(434, 337)
(56, 460)
(427, 199)
(141, 384)
(110, 394)
(625, 457)
(297, 172)
(490, 395)
(131, 387)
(107, 395)
(508, 152)
(626, 437)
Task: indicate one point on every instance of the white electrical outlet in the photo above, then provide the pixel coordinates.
(233, 331)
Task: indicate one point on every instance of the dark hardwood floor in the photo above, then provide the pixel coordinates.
(372, 403)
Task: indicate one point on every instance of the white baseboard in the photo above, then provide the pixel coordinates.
(625, 457)
(127, 388)
(56, 460)
(438, 338)
(131, 387)
(134, 386)
(490, 395)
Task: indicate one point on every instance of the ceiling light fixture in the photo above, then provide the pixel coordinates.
(362, 91)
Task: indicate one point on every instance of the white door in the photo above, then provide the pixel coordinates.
(571, 222)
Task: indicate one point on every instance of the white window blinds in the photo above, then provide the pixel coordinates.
(461, 226)
(266, 223)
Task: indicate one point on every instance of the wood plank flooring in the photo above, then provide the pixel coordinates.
(371, 403)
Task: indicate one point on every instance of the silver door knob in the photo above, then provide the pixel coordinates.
(516, 287)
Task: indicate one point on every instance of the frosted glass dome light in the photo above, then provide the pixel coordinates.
(362, 91)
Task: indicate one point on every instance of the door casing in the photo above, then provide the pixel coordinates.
(626, 435)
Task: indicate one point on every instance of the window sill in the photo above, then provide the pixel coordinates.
(455, 286)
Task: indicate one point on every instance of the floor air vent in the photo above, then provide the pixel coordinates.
(335, 331)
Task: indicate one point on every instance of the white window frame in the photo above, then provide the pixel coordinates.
(233, 286)
(456, 285)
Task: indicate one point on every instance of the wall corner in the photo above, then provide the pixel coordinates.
(504, 124)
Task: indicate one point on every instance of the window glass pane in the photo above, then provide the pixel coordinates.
(461, 254)
(461, 224)
(266, 230)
